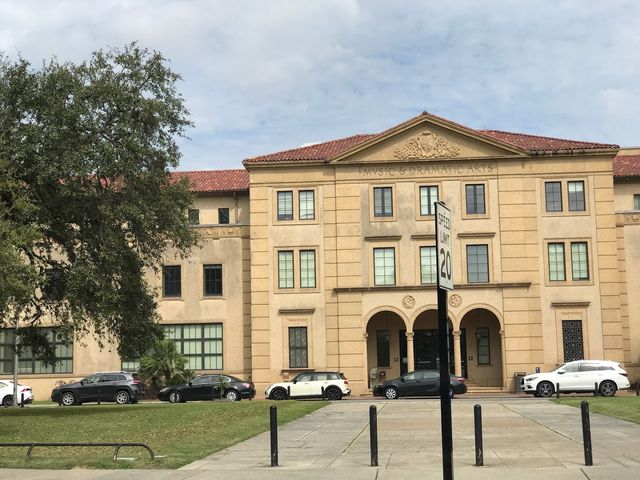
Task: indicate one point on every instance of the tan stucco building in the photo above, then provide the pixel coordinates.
(322, 257)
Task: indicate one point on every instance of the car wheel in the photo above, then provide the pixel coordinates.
(278, 394)
(545, 389)
(175, 397)
(122, 397)
(68, 399)
(333, 394)
(232, 395)
(608, 388)
(391, 393)
(7, 401)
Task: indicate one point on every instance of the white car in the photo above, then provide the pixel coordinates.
(578, 376)
(329, 385)
(6, 393)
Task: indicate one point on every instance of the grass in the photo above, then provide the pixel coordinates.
(182, 432)
(625, 408)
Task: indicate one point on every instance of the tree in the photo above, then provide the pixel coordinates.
(87, 203)
(164, 365)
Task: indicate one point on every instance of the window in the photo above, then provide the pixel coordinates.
(579, 261)
(383, 348)
(382, 202)
(28, 363)
(428, 265)
(428, 196)
(201, 344)
(285, 205)
(384, 266)
(193, 216)
(477, 263)
(285, 269)
(212, 280)
(572, 340)
(636, 201)
(576, 196)
(553, 196)
(307, 269)
(223, 216)
(171, 281)
(483, 346)
(306, 205)
(475, 199)
(556, 262)
(298, 347)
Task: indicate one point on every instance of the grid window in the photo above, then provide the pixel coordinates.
(553, 196)
(475, 199)
(382, 339)
(172, 286)
(193, 216)
(384, 266)
(212, 280)
(428, 271)
(477, 263)
(556, 262)
(382, 202)
(636, 201)
(285, 205)
(201, 344)
(306, 205)
(483, 346)
(298, 349)
(285, 269)
(28, 363)
(579, 261)
(223, 216)
(576, 196)
(307, 268)
(428, 197)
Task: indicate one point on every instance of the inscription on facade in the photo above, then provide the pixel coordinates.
(442, 169)
(631, 218)
(217, 232)
(426, 145)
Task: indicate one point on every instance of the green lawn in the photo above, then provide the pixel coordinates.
(626, 408)
(182, 432)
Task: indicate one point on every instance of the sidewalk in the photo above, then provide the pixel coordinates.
(523, 439)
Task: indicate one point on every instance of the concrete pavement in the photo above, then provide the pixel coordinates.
(523, 438)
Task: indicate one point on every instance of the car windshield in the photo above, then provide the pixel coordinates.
(559, 367)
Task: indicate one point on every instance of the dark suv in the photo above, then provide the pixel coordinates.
(119, 387)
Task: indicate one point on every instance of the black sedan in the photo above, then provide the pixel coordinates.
(209, 387)
(418, 383)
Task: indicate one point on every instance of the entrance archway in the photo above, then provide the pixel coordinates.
(484, 348)
(383, 345)
(425, 342)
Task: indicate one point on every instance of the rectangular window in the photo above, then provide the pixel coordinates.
(200, 343)
(483, 346)
(579, 261)
(477, 263)
(384, 266)
(383, 348)
(285, 269)
(636, 201)
(576, 196)
(428, 197)
(223, 216)
(212, 280)
(572, 340)
(427, 265)
(28, 363)
(306, 205)
(285, 205)
(557, 271)
(553, 196)
(382, 202)
(193, 216)
(171, 281)
(475, 199)
(307, 269)
(298, 349)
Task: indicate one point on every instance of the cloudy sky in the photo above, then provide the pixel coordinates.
(266, 75)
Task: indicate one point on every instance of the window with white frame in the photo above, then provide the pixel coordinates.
(285, 205)
(285, 269)
(555, 252)
(475, 199)
(575, 190)
(553, 196)
(306, 203)
(307, 269)
(383, 202)
(477, 263)
(636, 201)
(428, 267)
(28, 363)
(428, 198)
(384, 266)
(579, 261)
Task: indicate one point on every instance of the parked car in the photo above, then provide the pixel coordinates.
(6, 393)
(578, 376)
(331, 385)
(209, 387)
(119, 387)
(419, 383)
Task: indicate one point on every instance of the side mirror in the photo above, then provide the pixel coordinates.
(295, 381)
(402, 379)
(81, 382)
(190, 383)
(560, 372)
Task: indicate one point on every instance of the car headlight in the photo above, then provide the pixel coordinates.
(164, 389)
(529, 379)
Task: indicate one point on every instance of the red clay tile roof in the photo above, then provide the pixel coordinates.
(537, 143)
(626, 166)
(212, 181)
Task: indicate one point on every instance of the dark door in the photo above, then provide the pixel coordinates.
(463, 351)
(108, 385)
(88, 390)
(409, 384)
(403, 352)
(201, 388)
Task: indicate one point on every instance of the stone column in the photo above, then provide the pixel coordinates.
(410, 359)
(457, 359)
(503, 350)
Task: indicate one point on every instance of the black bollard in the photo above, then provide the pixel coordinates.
(273, 411)
(373, 434)
(637, 388)
(557, 390)
(21, 400)
(322, 392)
(586, 433)
(288, 393)
(99, 395)
(477, 424)
(595, 389)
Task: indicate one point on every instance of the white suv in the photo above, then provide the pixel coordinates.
(578, 376)
(329, 385)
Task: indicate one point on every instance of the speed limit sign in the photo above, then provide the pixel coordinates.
(443, 246)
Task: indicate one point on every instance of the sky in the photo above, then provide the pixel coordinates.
(261, 76)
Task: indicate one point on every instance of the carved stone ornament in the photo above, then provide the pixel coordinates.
(408, 302)
(426, 145)
(455, 300)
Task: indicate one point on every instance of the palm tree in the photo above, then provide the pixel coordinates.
(164, 365)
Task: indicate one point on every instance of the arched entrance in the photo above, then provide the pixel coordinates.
(484, 347)
(384, 344)
(426, 352)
